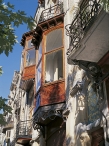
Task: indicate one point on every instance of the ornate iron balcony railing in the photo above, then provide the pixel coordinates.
(51, 12)
(89, 9)
(24, 128)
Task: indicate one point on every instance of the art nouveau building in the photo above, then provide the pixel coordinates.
(77, 78)
(2, 137)
(87, 26)
(12, 118)
(27, 71)
(49, 91)
(63, 85)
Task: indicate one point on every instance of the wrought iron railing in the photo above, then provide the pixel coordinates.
(51, 12)
(24, 128)
(89, 9)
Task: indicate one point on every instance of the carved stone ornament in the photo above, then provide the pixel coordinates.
(85, 139)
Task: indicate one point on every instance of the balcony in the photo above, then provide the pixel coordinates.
(24, 132)
(45, 114)
(51, 16)
(51, 12)
(8, 126)
(88, 33)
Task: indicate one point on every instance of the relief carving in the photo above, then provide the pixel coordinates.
(85, 139)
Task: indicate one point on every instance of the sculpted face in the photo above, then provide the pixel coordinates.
(85, 139)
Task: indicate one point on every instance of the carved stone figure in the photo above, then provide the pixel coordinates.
(85, 139)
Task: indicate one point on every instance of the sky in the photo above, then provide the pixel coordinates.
(12, 62)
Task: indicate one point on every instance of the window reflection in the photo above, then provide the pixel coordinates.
(30, 57)
(54, 66)
(93, 109)
(54, 56)
(29, 44)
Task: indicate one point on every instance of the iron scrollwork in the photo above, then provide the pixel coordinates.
(89, 9)
(51, 12)
(40, 117)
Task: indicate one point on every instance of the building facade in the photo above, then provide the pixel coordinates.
(49, 91)
(11, 118)
(62, 94)
(87, 75)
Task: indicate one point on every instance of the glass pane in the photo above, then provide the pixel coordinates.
(54, 66)
(30, 57)
(29, 44)
(37, 103)
(38, 77)
(40, 52)
(54, 40)
(93, 108)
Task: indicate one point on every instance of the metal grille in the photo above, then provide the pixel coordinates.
(89, 9)
(51, 12)
(24, 128)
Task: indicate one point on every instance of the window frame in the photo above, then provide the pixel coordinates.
(8, 134)
(26, 50)
(44, 53)
(38, 63)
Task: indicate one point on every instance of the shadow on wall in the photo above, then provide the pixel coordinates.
(69, 141)
(70, 82)
(56, 133)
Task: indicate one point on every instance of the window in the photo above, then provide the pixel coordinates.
(39, 69)
(54, 56)
(30, 54)
(93, 109)
(38, 76)
(54, 67)
(54, 40)
(29, 44)
(37, 102)
(8, 133)
(30, 57)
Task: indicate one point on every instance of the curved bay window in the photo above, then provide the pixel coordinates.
(54, 56)
(30, 53)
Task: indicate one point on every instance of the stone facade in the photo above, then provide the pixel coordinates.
(63, 99)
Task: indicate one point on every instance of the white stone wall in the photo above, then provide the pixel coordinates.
(2, 137)
(72, 75)
(38, 14)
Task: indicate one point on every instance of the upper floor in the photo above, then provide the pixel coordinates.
(47, 41)
(88, 32)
